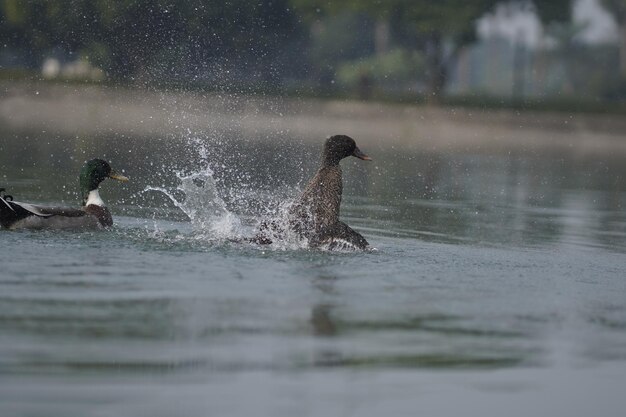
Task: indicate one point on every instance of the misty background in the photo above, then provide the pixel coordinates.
(497, 52)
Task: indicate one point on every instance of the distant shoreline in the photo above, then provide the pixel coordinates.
(94, 110)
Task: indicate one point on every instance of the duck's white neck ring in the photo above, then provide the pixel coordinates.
(94, 198)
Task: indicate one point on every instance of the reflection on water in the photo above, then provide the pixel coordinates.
(508, 262)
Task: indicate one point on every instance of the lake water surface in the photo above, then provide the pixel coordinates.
(498, 286)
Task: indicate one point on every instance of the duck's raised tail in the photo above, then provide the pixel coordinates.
(8, 213)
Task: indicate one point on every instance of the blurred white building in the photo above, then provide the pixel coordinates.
(515, 55)
(519, 23)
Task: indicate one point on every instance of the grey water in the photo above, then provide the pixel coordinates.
(497, 287)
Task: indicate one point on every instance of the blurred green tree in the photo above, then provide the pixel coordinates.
(391, 69)
(128, 37)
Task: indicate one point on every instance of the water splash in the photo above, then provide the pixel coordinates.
(197, 196)
(278, 229)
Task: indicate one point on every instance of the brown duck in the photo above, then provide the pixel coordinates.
(93, 215)
(315, 214)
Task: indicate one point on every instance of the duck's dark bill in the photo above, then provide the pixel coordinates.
(117, 176)
(357, 152)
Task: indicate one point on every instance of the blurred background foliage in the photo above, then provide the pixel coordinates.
(411, 49)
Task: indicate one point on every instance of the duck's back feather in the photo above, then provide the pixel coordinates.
(84, 222)
(12, 212)
(16, 215)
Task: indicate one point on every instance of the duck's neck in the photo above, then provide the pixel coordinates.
(93, 198)
(330, 161)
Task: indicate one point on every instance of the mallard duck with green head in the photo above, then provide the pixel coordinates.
(92, 215)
